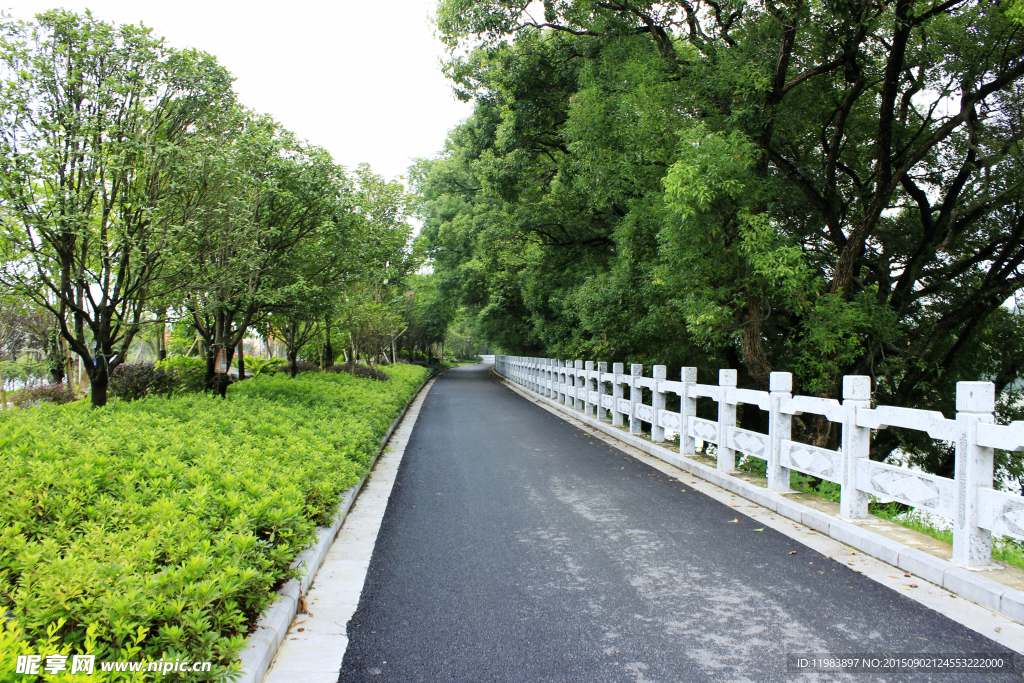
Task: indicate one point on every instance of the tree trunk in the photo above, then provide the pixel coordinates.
(752, 346)
(223, 379)
(56, 359)
(352, 353)
(98, 382)
(328, 348)
(293, 358)
(241, 361)
(211, 376)
(161, 338)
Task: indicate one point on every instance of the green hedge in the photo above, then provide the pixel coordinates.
(167, 523)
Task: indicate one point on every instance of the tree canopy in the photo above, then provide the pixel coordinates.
(824, 188)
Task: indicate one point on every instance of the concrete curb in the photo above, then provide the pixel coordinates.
(273, 624)
(954, 578)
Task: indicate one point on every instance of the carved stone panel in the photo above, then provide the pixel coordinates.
(926, 491)
(607, 402)
(623, 406)
(669, 420)
(1001, 513)
(645, 412)
(745, 441)
(818, 462)
(705, 430)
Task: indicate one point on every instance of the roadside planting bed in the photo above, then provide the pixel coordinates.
(159, 529)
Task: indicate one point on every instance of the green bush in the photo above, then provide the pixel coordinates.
(166, 523)
(132, 381)
(44, 393)
(191, 371)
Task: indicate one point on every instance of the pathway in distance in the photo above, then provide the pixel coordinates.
(518, 548)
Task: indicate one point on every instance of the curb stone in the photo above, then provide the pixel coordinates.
(971, 585)
(275, 620)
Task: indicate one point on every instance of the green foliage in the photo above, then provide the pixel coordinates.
(58, 394)
(191, 371)
(260, 366)
(762, 187)
(132, 381)
(164, 524)
(104, 135)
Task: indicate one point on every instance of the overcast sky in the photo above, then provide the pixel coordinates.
(361, 79)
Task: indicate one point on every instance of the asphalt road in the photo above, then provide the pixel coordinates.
(518, 548)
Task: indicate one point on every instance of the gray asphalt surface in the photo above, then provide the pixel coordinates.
(516, 547)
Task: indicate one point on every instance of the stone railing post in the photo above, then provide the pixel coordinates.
(635, 396)
(687, 409)
(780, 385)
(727, 380)
(553, 380)
(579, 382)
(588, 407)
(617, 383)
(659, 373)
(975, 403)
(563, 373)
(853, 504)
(602, 368)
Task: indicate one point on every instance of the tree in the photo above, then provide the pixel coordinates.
(828, 189)
(278, 237)
(98, 125)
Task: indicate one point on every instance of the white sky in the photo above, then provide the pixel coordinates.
(361, 79)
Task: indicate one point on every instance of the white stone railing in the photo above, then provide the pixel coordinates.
(969, 499)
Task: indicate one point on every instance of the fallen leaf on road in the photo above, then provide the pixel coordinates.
(793, 553)
(735, 521)
(761, 529)
(913, 585)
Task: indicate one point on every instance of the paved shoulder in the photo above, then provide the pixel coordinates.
(516, 547)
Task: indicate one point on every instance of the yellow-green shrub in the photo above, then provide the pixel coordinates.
(178, 516)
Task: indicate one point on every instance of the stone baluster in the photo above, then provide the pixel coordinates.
(726, 418)
(659, 373)
(602, 368)
(853, 503)
(780, 425)
(975, 403)
(588, 408)
(617, 383)
(578, 383)
(635, 397)
(687, 409)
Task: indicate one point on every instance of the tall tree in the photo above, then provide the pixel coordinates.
(97, 125)
(278, 234)
(829, 189)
